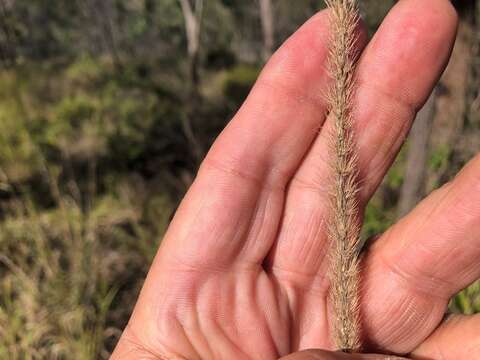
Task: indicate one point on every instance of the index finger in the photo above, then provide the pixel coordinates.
(248, 167)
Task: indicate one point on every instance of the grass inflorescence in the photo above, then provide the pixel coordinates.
(344, 230)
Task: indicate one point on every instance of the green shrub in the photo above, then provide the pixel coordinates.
(468, 301)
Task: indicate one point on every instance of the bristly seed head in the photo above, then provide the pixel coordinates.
(344, 226)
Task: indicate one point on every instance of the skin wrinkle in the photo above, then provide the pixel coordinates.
(393, 322)
(397, 99)
(433, 284)
(456, 338)
(310, 232)
(179, 266)
(450, 226)
(315, 184)
(413, 316)
(293, 307)
(312, 237)
(408, 232)
(267, 316)
(211, 163)
(259, 293)
(200, 229)
(284, 133)
(286, 311)
(187, 338)
(400, 334)
(373, 167)
(168, 316)
(271, 176)
(191, 258)
(261, 234)
(435, 276)
(207, 323)
(293, 278)
(315, 227)
(315, 102)
(201, 311)
(210, 314)
(189, 321)
(137, 345)
(215, 229)
(410, 281)
(237, 350)
(256, 221)
(470, 211)
(308, 278)
(286, 159)
(314, 323)
(218, 340)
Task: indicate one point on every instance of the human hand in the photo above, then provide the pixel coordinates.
(241, 272)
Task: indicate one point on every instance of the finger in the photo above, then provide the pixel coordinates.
(457, 338)
(420, 263)
(233, 208)
(396, 74)
(328, 355)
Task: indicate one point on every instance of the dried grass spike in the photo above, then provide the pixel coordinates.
(344, 227)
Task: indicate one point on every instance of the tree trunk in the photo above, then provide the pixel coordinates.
(474, 88)
(149, 11)
(193, 22)
(7, 46)
(266, 16)
(108, 32)
(100, 14)
(413, 185)
(193, 16)
(451, 137)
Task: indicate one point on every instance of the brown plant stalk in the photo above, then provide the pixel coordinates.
(344, 226)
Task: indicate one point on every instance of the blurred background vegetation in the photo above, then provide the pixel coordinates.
(106, 109)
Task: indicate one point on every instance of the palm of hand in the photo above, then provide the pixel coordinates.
(241, 273)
